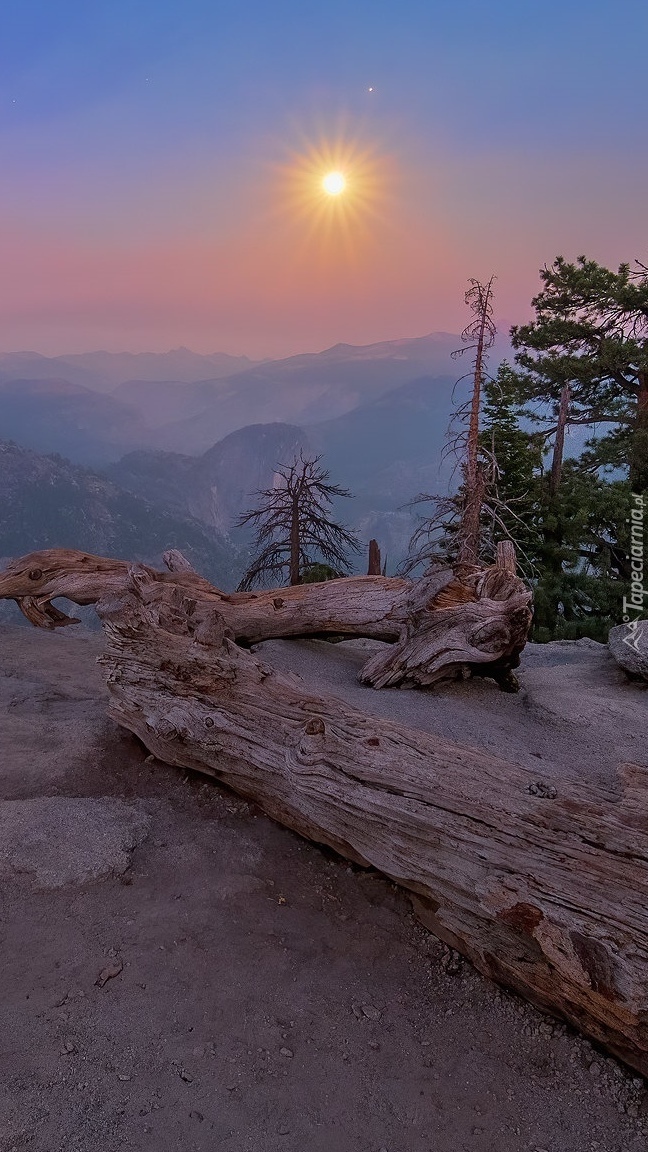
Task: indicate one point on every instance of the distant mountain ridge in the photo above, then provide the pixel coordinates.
(199, 449)
(57, 415)
(104, 371)
(49, 503)
(148, 407)
(386, 452)
(217, 486)
(302, 389)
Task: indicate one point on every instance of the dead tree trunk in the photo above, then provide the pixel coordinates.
(544, 890)
(295, 543)
(439, 627)
(506, 558)
(374, 559)
(482, 331)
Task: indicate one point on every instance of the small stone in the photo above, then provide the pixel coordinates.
(283, 1130)
(451, 962)
(124, 1078)
(186, 1077)
(594, 1069)
(196, 1116)
(109, 972)
(286, 1052)
(371, 1012)
(69, 1046)
(544, 791)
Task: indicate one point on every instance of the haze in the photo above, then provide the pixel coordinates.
(151, 159)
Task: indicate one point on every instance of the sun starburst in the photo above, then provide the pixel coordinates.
(333, 190)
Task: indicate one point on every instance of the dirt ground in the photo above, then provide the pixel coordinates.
(258, 993)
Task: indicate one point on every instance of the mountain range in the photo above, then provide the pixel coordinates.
(104, 371)
(49, 503)
(93, 409)
(197, 448)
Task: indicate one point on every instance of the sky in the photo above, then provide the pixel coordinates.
(161, 165)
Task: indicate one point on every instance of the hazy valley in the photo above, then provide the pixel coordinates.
(168, 449)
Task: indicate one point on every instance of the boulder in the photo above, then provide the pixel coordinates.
(628, 643)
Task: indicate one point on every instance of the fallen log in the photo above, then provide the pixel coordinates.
(440, 626)
(544, 889)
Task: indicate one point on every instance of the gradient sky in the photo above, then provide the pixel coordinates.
(160, 165)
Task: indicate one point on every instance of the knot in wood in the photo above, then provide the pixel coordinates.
(315, 727)
(278, 602)
(35, 574)
(164, 728)
(209, 722)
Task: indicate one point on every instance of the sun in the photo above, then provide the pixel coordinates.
(334, 183)
(334, 191)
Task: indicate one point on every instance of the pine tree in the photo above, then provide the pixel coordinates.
(590, 332)
(584, 360)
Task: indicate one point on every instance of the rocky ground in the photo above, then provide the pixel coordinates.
(180, 973)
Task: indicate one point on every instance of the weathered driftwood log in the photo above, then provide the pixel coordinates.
(544, 890)
(439, 626)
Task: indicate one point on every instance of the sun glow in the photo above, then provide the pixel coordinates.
(333, 192)
(334, 183)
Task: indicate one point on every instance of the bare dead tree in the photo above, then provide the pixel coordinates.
(294, 529)
(426, 544)
(461, 514)
(373, 568)
(478, 337)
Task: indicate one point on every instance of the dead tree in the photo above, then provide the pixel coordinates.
(374, 559)
(457, 518)
(437, 628)
(294, 528)
(478, 336)
(544, 889)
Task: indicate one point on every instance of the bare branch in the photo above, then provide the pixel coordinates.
(294, 529)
